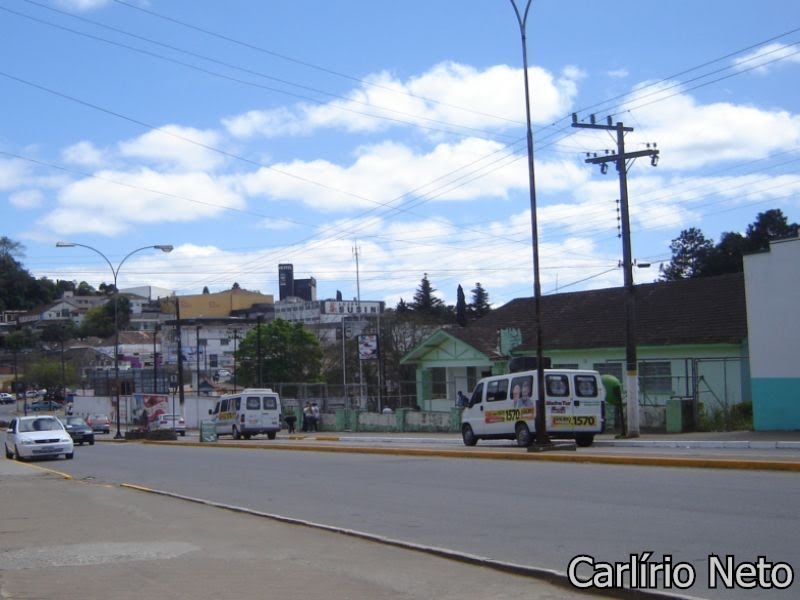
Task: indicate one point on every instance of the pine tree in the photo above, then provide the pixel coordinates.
(461, 307)
(479, 306)
(424, 300)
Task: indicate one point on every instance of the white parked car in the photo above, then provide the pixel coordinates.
(174, 422)
(37, 436)
(6, 398)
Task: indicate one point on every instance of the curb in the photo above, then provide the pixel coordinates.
(653, 461)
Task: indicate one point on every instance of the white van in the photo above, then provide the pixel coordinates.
(503, 407)
(249, 412)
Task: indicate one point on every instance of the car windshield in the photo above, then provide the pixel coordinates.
(41, 424)
(76, 421)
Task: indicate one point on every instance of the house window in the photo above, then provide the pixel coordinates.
(656, 377)
(565, 366)
(439, 382)
(609, 368)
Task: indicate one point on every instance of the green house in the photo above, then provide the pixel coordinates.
(691, 339)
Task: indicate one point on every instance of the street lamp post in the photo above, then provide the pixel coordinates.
(115, 273)
(542, 438)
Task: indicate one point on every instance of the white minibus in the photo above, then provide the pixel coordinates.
(247, 413)
(504, 407)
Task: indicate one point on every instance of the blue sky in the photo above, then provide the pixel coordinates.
(249, 134)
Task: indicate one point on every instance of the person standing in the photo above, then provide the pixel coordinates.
(315, 416)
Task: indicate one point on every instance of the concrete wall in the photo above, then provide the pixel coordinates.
(772, 290)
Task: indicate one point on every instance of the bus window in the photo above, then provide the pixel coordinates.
(585, 386)
(557, 385)
(497, 390)
(477, 395)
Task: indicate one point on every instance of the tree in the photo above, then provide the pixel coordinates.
(99, 321)
(694, 256)
(205, 290)
(769, 226)
(690, 251)
(425, 302)
(289, 353)
(402, 307)
(461, 307)
(479, 307)
(10, 248)
(84, 289)
(47, 374)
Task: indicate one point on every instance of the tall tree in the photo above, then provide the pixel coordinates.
(769, 226)
(690, 252)
(424, 300)
(461, 306)
(479, 306)
(289, 353)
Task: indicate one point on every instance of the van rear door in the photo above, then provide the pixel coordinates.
(558, 403)
(270, 412)
(587, 403)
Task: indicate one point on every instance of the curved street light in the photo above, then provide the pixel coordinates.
(115, 272)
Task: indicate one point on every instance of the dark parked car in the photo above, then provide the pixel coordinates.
(78, 430)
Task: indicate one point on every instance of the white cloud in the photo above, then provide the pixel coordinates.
(393, 174)
(618, 73)
(84, 154)
(768, 57)
(690, 135)
(13, 173)
(101, 205)
(173, 146)
(27, 199)
(466, 98)
(82, 5)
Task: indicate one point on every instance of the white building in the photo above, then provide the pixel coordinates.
(772, 290)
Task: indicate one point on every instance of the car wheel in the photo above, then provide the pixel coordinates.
(91, 443)
(524, 438)
(183, 433)
(236, 433)
(271, 435)
(468, 436)
(69, 456)
(16, 454)
(8, 453)
(80, 443)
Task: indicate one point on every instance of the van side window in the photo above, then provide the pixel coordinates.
(253, 403)
(557, 385)
(585, 386)
(223, 406)
(497, 390)
(477, 395)
(270, 403)
(216, 408)
(521, 391)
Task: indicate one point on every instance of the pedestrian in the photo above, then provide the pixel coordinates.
(307, 417)
(290, 420)
(461, 400)
(315, 416)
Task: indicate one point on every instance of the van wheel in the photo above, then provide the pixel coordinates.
(524, 438)
(236, 433)
(468, 436)
(584, 441)
(246, 436)
(271, 435)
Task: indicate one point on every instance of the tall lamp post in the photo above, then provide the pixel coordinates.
(115, 273)
(542, 439)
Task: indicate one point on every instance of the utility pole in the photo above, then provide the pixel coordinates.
(361, 401)
(621, 160)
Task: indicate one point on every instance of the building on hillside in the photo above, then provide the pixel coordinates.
(691, 338)
(220, 304)
(289, 287)
(149, 292)
(773, 297)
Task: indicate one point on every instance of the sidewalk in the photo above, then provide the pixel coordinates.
(70, 539)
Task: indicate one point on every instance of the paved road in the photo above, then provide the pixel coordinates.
(534, 513)
(69, 539)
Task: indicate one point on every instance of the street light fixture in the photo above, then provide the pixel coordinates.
(115, 273)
